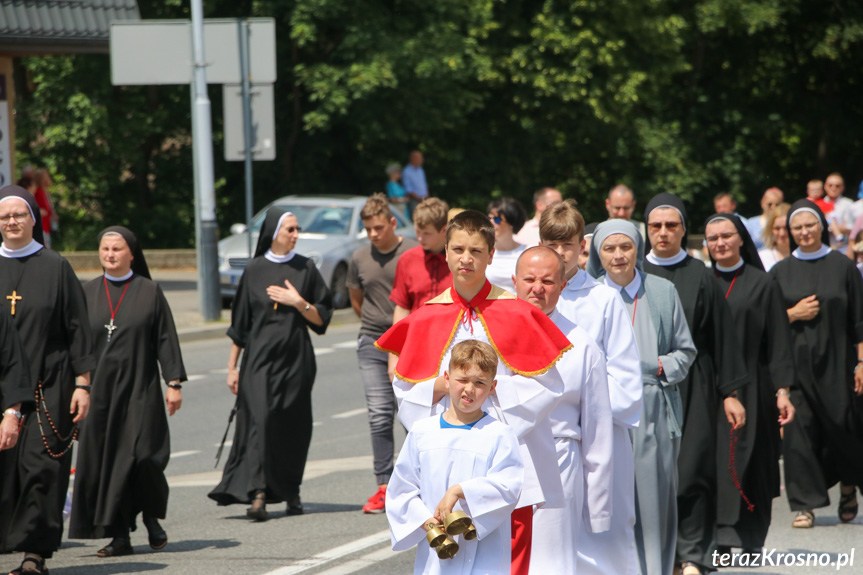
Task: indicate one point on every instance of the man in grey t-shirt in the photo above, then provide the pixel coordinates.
(370, 281)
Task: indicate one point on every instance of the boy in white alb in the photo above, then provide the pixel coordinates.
(462, 459)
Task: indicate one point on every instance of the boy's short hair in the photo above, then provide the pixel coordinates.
(561, 222)
(431, 212)
(473, 353)
(819, 183)
(472, 222)
(376, 205)
(512, 210)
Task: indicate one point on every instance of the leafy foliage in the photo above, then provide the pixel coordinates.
(503, 96)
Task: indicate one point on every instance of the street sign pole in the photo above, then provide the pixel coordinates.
(245, 68)
(202, 141)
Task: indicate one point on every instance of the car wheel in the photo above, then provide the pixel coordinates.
(339, 287)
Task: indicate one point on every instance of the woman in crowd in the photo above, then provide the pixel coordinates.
(125, 444)
(823, 294)
(508, 216)
(762, 327)
(666, 350)
(280, 297)
(41, 293)
(776, 247)
(396, 193)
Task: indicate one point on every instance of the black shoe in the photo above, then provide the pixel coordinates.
(295, 506)
(158, 537)
(116, 548)
(258, 510)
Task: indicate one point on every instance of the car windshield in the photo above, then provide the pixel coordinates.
(319, 219)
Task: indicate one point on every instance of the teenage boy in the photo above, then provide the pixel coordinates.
(599, 310)
(525, 340)
(370, 280)
(462, 459)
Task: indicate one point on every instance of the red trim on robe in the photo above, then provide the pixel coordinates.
(524, 338)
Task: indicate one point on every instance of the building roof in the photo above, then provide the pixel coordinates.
(60, 26)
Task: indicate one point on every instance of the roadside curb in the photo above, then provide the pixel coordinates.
(218, 329)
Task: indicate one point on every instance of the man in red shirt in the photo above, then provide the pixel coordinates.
(422, 272)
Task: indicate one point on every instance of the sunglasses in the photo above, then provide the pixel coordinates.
(496, 219)
(670, 226)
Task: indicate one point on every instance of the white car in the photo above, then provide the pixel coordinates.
(331, 231)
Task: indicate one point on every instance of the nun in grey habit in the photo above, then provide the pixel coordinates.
(667, 351)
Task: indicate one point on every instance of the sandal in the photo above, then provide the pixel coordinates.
(118, 547)
(38, 562)
(258, 510)
(690, 568)
(295, 507)
(804, 520)
(155, 534)
(847, 504)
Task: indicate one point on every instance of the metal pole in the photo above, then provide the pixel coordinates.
(202, 142)
(245, 72)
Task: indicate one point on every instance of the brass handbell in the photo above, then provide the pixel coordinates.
(436, 535)
(445, 547)
(457, 523)
(470, 534)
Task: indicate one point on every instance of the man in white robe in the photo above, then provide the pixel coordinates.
(599, 310)
(581, 422)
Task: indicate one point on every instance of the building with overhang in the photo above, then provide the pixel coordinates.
(50, 27)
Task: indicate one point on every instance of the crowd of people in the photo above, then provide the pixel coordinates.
(689, 373)
(593, 398)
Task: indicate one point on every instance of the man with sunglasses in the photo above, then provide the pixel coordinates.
(755, 225)
(718, 372)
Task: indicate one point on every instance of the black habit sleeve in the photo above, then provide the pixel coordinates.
(321, 298)
(780, 359)
(76, 322)
(14, 371)
(241, 311)
(166, 341)
(854, 283)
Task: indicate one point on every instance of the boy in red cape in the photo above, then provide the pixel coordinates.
(527, 343)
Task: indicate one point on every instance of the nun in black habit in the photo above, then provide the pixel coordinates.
(280, 297)
(713, 381)
(758, 311)
(823, 293)
(125, 445)
(42, 295)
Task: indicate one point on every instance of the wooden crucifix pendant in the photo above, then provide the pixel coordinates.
(14, 298)
(110, 327)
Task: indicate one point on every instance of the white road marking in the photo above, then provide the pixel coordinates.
(183, 453)
(195, 377)
(351, 413)
(346, 345)
(333, 554)
(323, 350)
(228, 443)
(223, 370)
(314, 469)
(362, 562)
(317, 423)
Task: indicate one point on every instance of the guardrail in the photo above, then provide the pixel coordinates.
(157, 259)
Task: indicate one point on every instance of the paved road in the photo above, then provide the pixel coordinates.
(334, 537)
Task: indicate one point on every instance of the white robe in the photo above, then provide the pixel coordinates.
(521, 402)
(582, 427)
(599, 310)
(486, 461)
